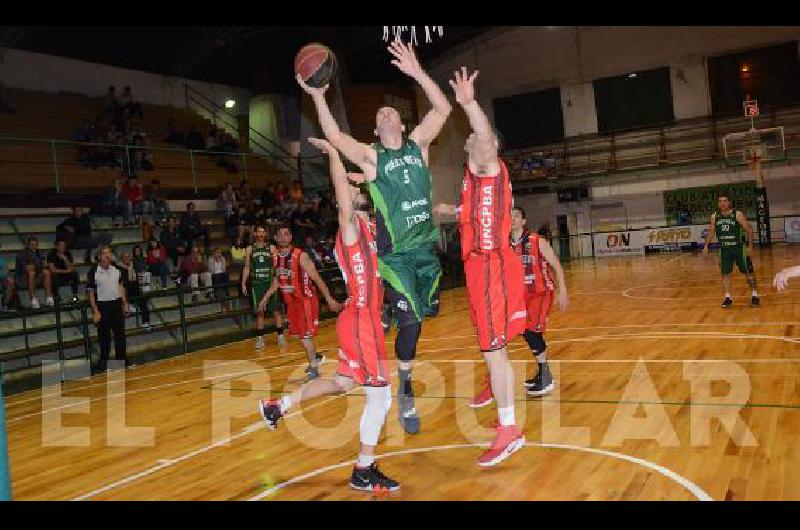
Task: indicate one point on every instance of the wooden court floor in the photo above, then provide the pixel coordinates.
(661, 394)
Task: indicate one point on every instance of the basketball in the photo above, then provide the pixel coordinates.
(316, 64)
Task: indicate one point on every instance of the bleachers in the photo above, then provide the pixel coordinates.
(30, 165)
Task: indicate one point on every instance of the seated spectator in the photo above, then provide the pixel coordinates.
(59, 262)
(31, 272)
(234, 227)
(227, 199)
(194, 269)
(114, 202)
(192, 227)
(156, 260)
(7, 287)
(268, 196)
(141, 159)
(281, 194)
(238, 251)
(329, 250)
(302, 221)
(139, 264)
(134, 196)
(127, 102)
(218, 268)
(173, 136)
(244, 194)
(130, 280)
(195, 140)
(313, 250)
(84, 134)
(156, 204)
(298, 193)
(173, 241)
(76, 230)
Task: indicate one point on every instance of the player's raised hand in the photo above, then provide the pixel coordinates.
(322, 145)
(311, 91)
(464, 86)
(405, 59)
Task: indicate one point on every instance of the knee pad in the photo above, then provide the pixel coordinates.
(406, 342)
(378, 401)
(535, 341)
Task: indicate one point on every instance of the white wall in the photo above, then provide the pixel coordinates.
(49, 73)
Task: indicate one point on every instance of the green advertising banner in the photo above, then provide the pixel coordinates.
(695, 205)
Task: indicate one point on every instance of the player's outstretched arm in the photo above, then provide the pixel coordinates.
(748, 228)
(431, 125)
(781, 281)
(360, 154)
(341, 186)
(311, 270)
(712, 232)
(246, 269)
(485, 147)
(549, 254)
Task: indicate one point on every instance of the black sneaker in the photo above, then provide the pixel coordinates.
(386, 318)
(407, 413)
(270, 412)
(371, 479)
(755, 302)
(541, 384)
(727, 303)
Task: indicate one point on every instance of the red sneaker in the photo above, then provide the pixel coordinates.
(485, 396)
(508, 440)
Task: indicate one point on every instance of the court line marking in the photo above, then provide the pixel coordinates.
(687, 484)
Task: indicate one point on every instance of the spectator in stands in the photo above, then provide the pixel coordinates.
(139, 264)
(112, 103)
(114, 203)
(313, 250)
(127, 102)
(268, 196)
(302, 221)
(218, 268)
(173, 136)
(227, 199)
(133, 287)
(135, 204)
(234, 224)
(156, 204)
(173, 241)
(281, 194)
(195, 140)
(30, 273)
(194, 269)
(191, 227)
(297, 194)
(7, 287)
(238, 250)
(329, 250)
(109, 306)
(156, 261)
(244, 194)
(76, 230)
(141, 158)
(59, 262)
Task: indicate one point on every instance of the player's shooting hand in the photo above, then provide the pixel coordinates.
(311, 91)
(464, 86)
(405, 59)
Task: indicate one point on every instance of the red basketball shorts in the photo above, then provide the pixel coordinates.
(303, 315)
(496, 293)
(362, 350)
(539, 306)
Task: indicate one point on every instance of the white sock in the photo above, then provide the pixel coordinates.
(365, 460)
(755, 293)
(728, 295)
(286, 402)
(541, 358)
(506, 416)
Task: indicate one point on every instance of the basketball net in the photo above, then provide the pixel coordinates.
(398, 31)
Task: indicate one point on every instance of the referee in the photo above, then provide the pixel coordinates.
(109, 306)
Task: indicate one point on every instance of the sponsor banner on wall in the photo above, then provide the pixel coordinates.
(635, 242)
(625, 243)
(792, 227)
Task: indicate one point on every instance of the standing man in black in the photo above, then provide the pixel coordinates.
(109, 306)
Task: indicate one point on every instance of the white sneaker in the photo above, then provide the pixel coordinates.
(50, 302)
(35, 303)
(259, 343)
(281, 340)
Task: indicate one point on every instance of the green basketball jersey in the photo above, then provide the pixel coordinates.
(261, 264)
(729, 232)
(401, 193)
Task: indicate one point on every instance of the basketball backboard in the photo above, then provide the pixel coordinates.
(743, 148)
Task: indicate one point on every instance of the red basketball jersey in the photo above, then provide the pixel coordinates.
(538, 277)
(359, 265)
(293, 280)
(485, 216)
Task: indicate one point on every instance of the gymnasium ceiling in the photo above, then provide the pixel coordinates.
(258, 58)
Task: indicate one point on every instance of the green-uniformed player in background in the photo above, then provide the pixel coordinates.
(258, 263)
(730, 228)
(396, 168)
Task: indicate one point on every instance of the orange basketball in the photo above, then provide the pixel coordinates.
(316, 64)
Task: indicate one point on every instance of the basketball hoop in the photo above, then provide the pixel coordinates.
(398, 31)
